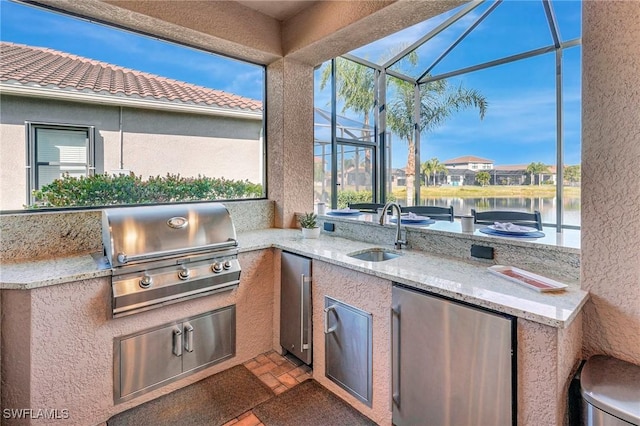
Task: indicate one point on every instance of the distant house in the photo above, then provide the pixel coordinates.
(468, 162)
(63, 113)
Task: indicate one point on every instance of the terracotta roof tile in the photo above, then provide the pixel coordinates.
(467, 159)
(45, 67)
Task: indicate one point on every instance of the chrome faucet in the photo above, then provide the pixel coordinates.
(399, 241)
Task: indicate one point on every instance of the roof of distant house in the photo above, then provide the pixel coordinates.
(467, 159)
(36, 66)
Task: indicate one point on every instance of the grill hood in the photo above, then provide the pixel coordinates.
(133, 235)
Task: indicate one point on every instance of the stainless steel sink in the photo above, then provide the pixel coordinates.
(374, 255)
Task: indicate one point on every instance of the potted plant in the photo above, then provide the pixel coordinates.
(309, 225)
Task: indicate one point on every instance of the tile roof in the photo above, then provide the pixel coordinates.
(467, 159)
(28, 65)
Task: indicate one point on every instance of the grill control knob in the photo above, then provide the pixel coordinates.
(184, 274)
(146, 281)
(226, 264)
(216, 267)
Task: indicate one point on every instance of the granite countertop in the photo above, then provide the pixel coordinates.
(455, 278)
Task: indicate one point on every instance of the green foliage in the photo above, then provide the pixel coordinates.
(308, 220)
(483, 178)
(432, 167)
(350, 197)
(537, 168)
(572, 173)
(106, 190)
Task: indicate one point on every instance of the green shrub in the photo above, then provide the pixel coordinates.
(349, 197)
(105, 190)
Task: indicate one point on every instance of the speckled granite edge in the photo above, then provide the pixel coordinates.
(43, 235)
(455, 278)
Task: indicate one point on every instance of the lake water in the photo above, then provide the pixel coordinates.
(546, 206)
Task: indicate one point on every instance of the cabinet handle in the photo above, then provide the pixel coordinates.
(177, 341)
(303, 346)
(188, 337)
(395, 355)
(328, 330)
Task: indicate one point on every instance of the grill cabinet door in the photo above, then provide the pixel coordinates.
(149, 358)
(209, 338)
(295, 306)
(348, 348)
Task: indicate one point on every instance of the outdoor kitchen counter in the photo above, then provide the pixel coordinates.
(468, 281)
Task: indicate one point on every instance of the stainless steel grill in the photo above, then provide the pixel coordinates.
(167, 254)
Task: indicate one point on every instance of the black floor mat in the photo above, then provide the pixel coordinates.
(212, 401)
(309, 403)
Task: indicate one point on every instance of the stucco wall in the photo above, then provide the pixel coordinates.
(610, 178)
(155, 142)
(372, 295)
(70, 366)
(290, 143)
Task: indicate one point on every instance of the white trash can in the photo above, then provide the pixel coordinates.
(610, 391)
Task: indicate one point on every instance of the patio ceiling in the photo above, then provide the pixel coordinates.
(280, 10)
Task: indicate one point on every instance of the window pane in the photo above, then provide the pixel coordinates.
(178, 123)
(400, 137)
(571, 103)
(322, 135)
(354, 175)
(382, 50)
(424, 56)
(507, 160)
(47, 174)
(61, 146)
(503, 33)
(569, 18)
(355, 86)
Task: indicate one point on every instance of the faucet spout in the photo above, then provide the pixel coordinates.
(399, 241)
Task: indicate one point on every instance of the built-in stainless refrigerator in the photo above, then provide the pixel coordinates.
(295, 306)
(453, 364)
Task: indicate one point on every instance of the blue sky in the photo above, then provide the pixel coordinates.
(36, 27)
(520, 125)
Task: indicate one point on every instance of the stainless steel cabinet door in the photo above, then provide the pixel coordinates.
(150, 358)
(209, 338)
(295, 306)
(452, 364)
(348, 348)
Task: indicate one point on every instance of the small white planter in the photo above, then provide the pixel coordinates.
(310, 232)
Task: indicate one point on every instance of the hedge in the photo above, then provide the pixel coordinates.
(349, 197)
(105, 189)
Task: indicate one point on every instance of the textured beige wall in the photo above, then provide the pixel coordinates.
(547, 357)
(610, 178)
(70, 366)
(290, 139)
(219, 26)
(372, 295)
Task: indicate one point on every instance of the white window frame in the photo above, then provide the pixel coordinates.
(32, 152)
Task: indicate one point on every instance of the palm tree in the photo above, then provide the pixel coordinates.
(536, 168)
(572, 174)
(438, 101)
(432, 167)
(483, 178)
(355, 86)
